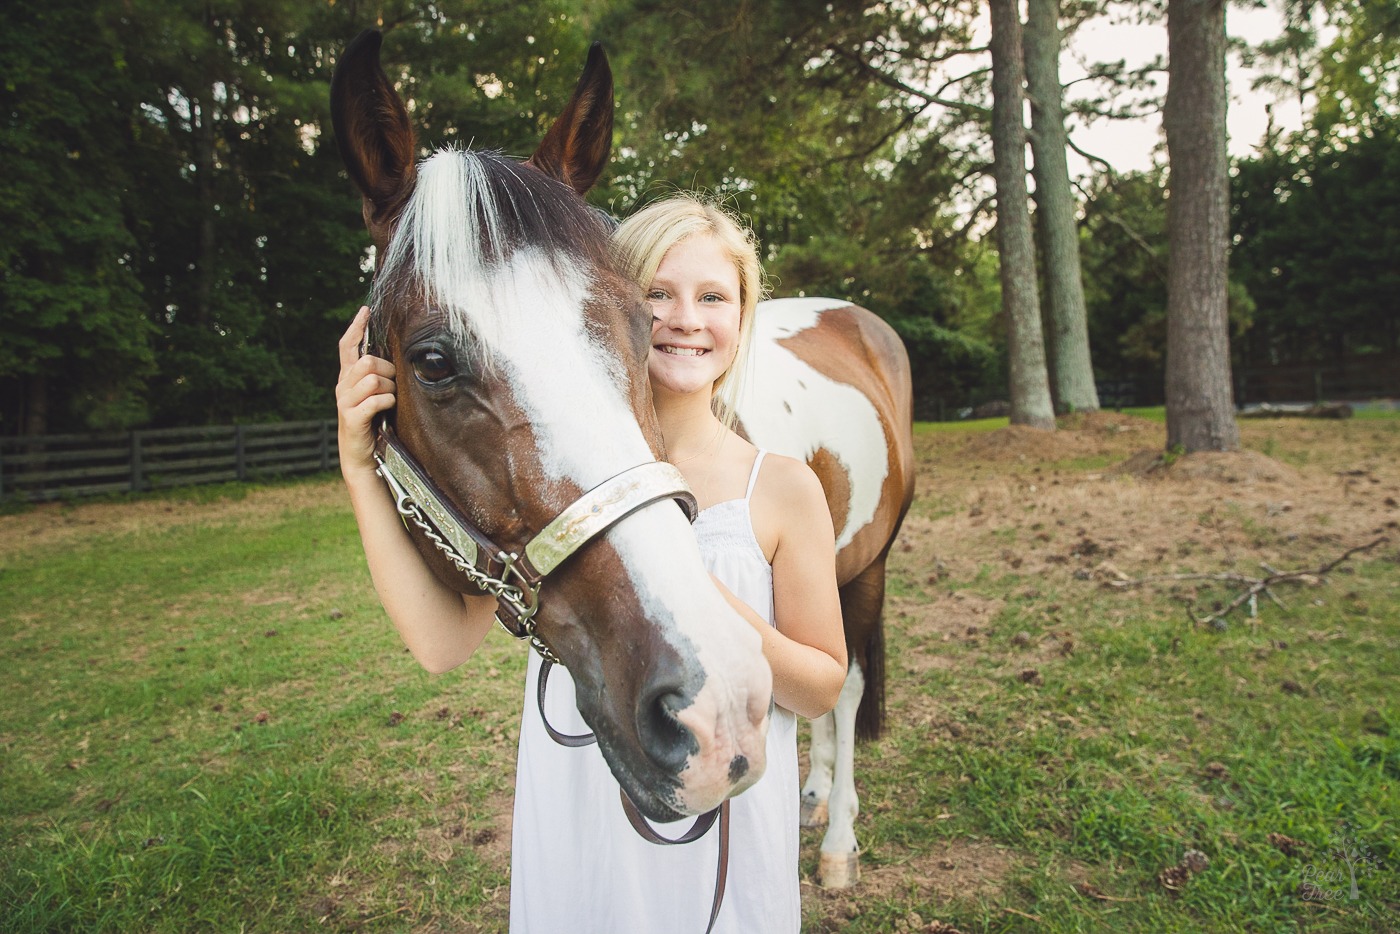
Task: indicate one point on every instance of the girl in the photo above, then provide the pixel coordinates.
(767, 538)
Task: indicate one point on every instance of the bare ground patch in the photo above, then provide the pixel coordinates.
(959, 870)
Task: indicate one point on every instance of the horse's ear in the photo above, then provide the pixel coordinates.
(577, 146)
(372, 130)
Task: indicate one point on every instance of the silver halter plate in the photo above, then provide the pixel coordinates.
(515, 580)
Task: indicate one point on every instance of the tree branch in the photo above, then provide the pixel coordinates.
(893, 82)
(1255, 585)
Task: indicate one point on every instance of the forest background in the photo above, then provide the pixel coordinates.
(179, 244)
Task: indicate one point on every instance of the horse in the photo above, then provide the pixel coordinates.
(830, 384)
(523, 449)
(479, 260)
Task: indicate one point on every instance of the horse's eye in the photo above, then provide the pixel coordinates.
(432, 366)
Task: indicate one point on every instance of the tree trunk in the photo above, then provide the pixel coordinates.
(1020, 301)
(1067, 337)
(204, 185)
(36, 405)
(1200, 399)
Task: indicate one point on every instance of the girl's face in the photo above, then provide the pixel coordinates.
(695, 307)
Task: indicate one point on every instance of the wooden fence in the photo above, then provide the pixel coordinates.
(53, 466)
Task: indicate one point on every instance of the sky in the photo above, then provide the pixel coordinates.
(1128, 145)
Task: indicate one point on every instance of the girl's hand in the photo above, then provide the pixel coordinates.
(365, 388)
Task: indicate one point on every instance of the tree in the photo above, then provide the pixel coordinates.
(179, 245)
(75, 345)
(1020, 301)
(1125, 283)
(1321, 298)
(1200, 398)
(1067, 333)
(1343, 58)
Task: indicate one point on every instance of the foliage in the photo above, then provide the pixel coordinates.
(1322, 297)
(189, 254)
(178, 243)
(72, 313)
(1343, 58)
(1123, 244)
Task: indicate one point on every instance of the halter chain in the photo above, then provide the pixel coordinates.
(512, 578)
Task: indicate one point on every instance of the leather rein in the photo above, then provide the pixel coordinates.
(515, 579)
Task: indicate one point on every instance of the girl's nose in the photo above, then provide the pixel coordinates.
(684, 316)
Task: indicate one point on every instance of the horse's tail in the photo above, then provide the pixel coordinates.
(863, 611)
(870, 716)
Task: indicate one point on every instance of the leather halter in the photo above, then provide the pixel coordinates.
(513, 578)
(702, 824)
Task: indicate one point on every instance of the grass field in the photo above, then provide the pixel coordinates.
(208, 724)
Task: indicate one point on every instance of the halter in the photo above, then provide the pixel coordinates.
(513, 578)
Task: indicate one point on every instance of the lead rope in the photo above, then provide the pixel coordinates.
(702, 824)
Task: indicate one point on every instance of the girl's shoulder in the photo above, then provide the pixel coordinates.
(787, 498)
(780, 475)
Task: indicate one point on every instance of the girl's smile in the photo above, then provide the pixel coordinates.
(695, 304)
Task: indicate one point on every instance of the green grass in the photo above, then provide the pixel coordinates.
(967, 427)
(199, 733)
(211, 726)
(1106, 771)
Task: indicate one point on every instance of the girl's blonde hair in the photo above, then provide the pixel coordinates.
(642, 241)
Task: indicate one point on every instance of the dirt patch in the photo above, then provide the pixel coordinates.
(1019, 443)
(1212, 466)
(1082, 435)
(957, 870)
(1326, 488)
(956, 614)
(1106, 421)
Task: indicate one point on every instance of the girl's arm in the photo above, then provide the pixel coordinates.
(441, 628)
(807, 647)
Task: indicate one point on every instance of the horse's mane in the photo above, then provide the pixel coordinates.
(470, 214)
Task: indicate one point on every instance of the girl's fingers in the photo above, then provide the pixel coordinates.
(350, 341)
(350, 395)
(374, 385)
(361, 366)
(380, 403)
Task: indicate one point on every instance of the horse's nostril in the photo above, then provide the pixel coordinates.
(667, 741)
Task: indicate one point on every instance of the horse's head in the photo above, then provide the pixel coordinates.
(522, 383)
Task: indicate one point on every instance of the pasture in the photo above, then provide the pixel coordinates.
(208, 724)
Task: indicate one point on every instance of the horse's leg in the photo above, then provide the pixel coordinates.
(817, 789)
(862, 601)
(840, 866)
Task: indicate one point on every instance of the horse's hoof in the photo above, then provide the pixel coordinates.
(838, 870)
(814, 813)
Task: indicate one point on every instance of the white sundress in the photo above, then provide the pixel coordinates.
(577, 865)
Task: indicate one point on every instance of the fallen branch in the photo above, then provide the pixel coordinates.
(1035, 918)
(1089, 890)
(1253, 586)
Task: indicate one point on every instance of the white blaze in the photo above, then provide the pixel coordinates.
(572, 393)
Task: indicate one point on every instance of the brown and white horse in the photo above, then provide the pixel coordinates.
(829, 383)
(521, 355)
(522, 385)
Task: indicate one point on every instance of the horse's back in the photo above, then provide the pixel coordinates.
(829, 383)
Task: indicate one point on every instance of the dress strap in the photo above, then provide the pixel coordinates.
(753, 474)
